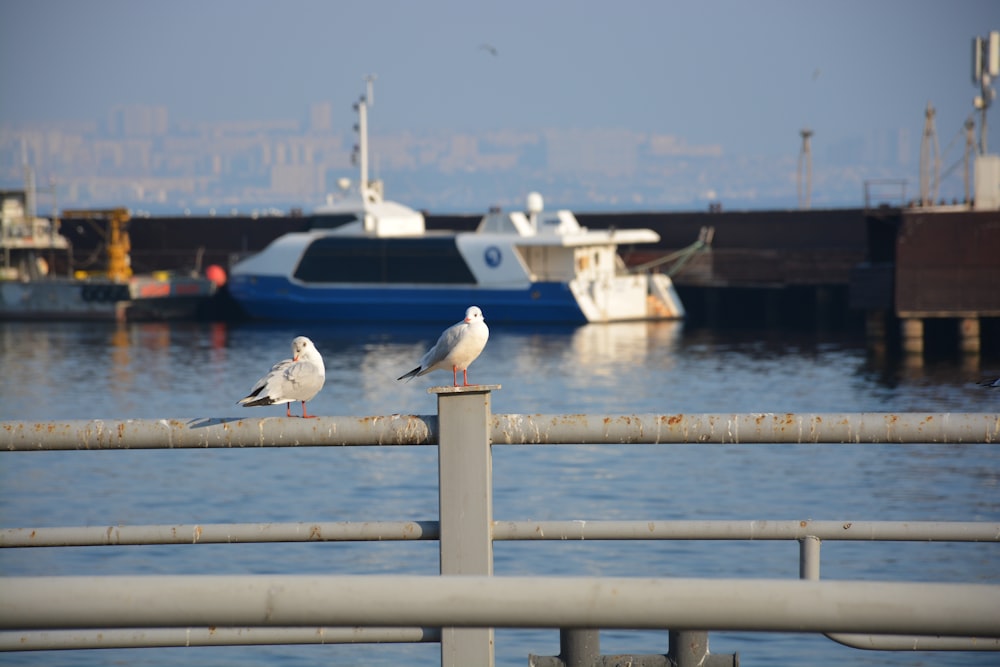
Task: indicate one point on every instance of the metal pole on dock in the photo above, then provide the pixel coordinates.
(465, 470)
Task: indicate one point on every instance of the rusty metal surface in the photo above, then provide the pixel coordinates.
(948, 264)
(752, 248)
(217, 432)
(763, 428)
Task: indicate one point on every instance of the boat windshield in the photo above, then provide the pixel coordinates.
(341, 259)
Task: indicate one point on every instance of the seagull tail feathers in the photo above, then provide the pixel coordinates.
(412, 374)
(254, 398)
(249, 401)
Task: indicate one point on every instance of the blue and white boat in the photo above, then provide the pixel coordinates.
(368, 259)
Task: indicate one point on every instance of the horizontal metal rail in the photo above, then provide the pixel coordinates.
(50, 640)
(915, 642)
(223, 533)
(737, 428)
(228, 533)
(890, 531)
(69, 603)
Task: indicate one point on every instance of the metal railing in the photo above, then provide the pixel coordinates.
(460, 608)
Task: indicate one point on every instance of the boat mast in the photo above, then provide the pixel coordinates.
(29, 184)
(362, 127)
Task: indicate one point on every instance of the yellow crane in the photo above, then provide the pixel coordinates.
(116, 239)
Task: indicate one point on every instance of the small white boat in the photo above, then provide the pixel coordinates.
(369, 259)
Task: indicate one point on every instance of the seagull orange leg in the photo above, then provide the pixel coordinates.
(465, 377)
(306, 415)
(454, 373)
(288, 409)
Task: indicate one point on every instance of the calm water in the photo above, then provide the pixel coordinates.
(73, 371)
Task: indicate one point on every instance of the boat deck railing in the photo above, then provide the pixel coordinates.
(884, 193)
(460, 608)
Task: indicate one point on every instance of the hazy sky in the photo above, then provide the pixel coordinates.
(743, 74)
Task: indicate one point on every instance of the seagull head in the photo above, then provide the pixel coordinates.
(473, 313)
(300, 345)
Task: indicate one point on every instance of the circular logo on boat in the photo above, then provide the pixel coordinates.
(493, 256)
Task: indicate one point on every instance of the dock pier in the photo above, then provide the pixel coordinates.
(936, 271)
(891, 273)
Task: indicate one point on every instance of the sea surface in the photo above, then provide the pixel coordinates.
(191, 370)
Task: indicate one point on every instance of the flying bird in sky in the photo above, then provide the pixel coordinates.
(489, 47)
(297, 379)
(458, 346)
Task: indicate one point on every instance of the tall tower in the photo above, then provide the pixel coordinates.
(805, 169)
(930, 160)
(970, 150)
(985, 68)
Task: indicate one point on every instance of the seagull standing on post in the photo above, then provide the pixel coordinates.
(458, 346)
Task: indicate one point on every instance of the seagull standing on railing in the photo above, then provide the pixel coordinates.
(297, 379)
(458, 346)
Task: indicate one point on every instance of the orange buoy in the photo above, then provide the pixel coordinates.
(216, 274)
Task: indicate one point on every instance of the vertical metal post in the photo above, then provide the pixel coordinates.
(688, 648)
(809, 558)
(465, 479)
(580, 648)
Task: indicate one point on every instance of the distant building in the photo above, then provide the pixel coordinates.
(138, 121)
(300, 182)
(321, 118)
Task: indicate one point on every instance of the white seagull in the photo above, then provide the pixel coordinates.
(458, 346)
(297, 379)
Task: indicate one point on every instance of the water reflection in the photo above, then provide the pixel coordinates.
(623, 342)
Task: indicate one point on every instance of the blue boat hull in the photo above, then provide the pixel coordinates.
(276, 298)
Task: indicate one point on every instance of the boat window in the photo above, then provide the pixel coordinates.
(331, 220)
(339, 259)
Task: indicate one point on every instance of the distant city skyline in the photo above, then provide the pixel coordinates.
(138, 158)
(644, 105)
